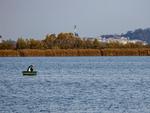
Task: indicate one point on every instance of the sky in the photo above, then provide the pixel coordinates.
(37, 18)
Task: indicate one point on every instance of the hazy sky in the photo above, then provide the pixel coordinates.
(36, 18)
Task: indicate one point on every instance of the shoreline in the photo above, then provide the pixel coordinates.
(75, 52)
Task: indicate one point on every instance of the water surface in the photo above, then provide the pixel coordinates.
(75, 85)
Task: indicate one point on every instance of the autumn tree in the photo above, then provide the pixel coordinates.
(49, 41)
(65, 40)
(7, 44)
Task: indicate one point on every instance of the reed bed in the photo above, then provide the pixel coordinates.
(9, 53)
(75, 52)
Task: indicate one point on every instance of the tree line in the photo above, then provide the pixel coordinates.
(63, 41)
(140, 34)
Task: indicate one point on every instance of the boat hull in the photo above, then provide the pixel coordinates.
(27, 73)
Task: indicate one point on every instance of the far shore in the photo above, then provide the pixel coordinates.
(75, 52)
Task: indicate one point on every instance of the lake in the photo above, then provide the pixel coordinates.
(75, 85)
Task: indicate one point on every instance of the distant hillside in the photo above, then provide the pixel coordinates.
(140, 34)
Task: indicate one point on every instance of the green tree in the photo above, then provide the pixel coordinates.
(96, 44)
(21, 44)
(35, 44)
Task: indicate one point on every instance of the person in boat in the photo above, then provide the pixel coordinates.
(30, 68)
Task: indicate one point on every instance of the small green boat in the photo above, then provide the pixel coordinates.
(28, 73)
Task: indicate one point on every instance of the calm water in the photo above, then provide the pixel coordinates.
(75, 85)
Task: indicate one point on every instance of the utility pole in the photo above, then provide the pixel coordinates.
(75, 30)
(0, 38)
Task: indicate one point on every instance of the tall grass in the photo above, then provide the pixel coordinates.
(9, 53)
(76, 52)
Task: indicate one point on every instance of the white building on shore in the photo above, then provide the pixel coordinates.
(138, 41)
(122, 40)
(117, 39)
